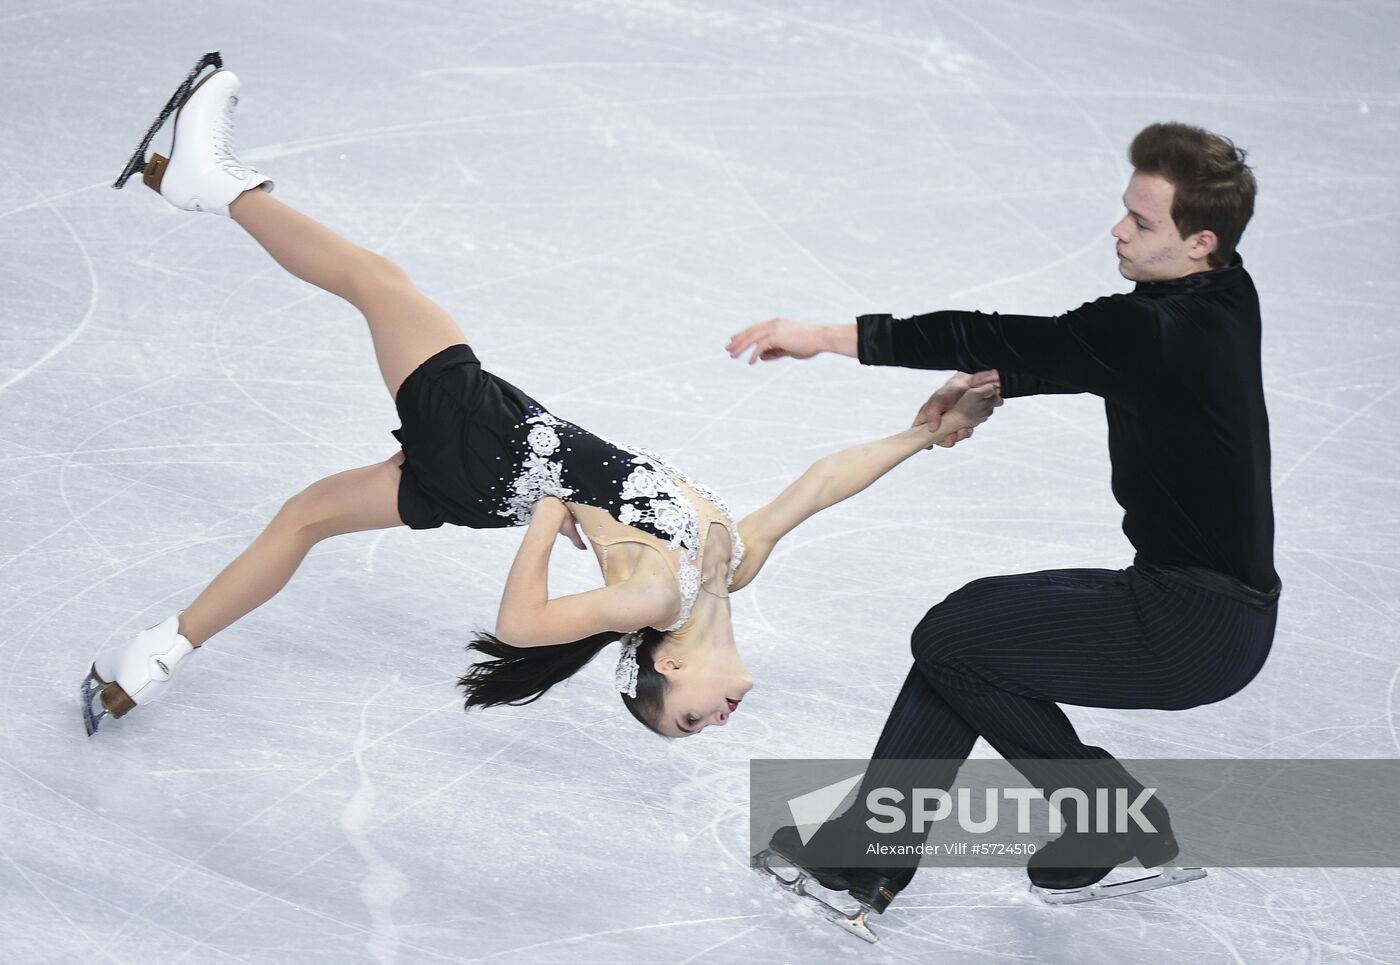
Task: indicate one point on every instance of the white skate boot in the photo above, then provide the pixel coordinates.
(202, 173)
(135, 674)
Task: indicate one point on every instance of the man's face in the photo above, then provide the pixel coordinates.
(1149, 246)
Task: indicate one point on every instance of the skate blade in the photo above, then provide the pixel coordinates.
(851, 922)
(101, 699)
(137, 161)
(1099, 891)
(761, 863)
(91, 691)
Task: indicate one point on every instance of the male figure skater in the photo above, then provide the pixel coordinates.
(1190, 622)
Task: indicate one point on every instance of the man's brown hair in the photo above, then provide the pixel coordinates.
(1214, 187)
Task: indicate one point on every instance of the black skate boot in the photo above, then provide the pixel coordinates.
(1068, 869)
(787, 843)
(873, 888)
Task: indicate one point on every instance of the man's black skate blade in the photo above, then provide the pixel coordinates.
(137, 161)
(1167, 878)
(852, 923)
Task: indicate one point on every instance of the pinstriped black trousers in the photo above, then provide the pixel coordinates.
(995, 658)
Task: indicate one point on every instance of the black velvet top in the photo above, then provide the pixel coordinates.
(1177, 365)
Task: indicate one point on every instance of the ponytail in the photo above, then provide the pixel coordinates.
(522, 675)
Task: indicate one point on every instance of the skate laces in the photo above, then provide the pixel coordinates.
(223, 140)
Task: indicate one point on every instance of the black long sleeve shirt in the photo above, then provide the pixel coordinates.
(1177, 365)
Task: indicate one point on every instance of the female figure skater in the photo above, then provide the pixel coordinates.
(478, 452)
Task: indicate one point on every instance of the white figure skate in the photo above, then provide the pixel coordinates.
(201, 173)
(133, 675)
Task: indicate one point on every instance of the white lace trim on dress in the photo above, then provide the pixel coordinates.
(649, 495)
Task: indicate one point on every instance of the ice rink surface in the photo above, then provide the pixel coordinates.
(601, 193)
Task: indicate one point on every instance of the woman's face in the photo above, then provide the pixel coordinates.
(704, 690)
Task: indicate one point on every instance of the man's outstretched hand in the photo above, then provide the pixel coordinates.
(942, 401)
(777, 338)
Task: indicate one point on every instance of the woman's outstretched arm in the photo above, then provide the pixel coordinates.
(529, 618)
(841, 475)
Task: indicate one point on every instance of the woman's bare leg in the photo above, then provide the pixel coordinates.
(406, 326)
(348, 502)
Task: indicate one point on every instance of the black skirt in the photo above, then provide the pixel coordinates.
(462, 432)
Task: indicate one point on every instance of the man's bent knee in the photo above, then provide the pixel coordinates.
(935, 636)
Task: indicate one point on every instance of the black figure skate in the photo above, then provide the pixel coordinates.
(1070, 869)
(872, 888)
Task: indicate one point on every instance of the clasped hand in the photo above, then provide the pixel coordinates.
(966, 400)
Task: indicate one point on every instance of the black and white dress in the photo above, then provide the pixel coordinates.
(479, 452)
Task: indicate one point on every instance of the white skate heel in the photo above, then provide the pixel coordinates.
(201, 173)
(135, 674)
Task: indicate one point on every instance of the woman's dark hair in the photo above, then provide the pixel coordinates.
(522, 675)
(1215, 188)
